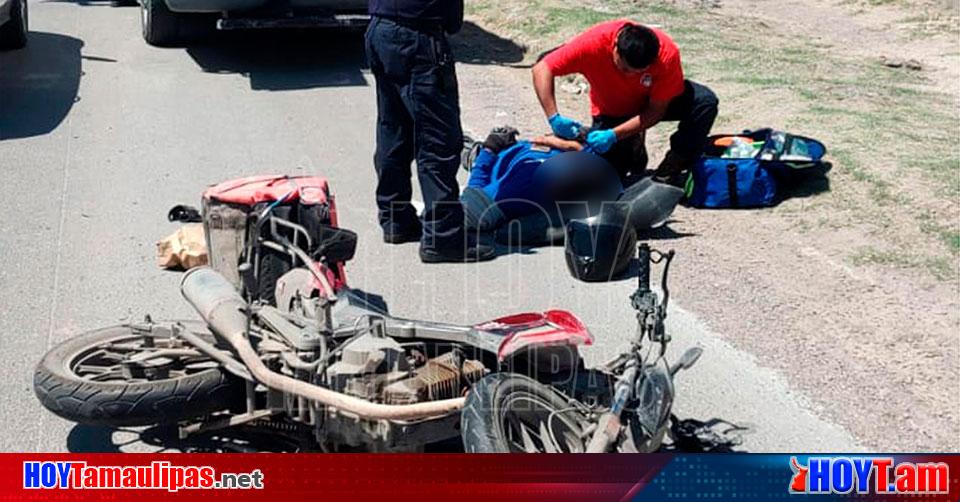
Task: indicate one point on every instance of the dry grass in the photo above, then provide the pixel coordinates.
(892, 135)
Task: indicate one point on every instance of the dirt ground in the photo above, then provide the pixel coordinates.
(849, 288)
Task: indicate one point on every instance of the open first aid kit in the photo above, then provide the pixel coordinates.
(753, 168)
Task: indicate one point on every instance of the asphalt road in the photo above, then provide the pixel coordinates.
(101, 134)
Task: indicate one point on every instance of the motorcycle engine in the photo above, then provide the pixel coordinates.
(381, 370)
(439, 378)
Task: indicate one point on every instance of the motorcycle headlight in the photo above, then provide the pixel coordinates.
(654, 397)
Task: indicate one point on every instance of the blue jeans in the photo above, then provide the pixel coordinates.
(418, 118)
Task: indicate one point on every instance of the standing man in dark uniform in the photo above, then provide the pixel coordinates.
(419, 119)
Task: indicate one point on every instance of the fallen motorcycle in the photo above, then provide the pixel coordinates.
(625, 405)
(286, 341)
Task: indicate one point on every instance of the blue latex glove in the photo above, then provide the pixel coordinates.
(564, 127)
(600, 142)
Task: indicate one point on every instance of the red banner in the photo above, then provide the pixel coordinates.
(312, 477)
(319, 477)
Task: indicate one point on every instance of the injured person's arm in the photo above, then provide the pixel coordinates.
(558, 143)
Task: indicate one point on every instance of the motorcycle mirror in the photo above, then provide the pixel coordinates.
(687, 360)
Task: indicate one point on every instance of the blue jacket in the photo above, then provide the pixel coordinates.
(511, 178)
(524, 179)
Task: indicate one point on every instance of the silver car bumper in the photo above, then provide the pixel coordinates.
(336, 6)
(345, 21)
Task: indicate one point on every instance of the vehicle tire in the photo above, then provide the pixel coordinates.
(160, 26)
(273, 266)
(13, 33)
(81, 380)
(507, 412)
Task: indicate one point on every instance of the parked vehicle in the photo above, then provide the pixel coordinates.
(172, 22)
(626, 406)
(13, 24)
(285, 340)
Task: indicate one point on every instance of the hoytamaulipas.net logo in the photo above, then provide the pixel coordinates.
(868, 475)
(158, 475)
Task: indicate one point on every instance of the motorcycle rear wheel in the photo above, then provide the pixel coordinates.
(511, 413)
(83, 380)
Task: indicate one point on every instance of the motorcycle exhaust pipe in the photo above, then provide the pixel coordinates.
(219, 304)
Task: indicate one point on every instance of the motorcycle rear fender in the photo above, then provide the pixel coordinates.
(536, 330)
(552, 336)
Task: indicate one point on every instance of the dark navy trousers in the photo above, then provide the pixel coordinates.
(418, 119)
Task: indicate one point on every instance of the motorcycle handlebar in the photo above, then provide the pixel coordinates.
(643, 276)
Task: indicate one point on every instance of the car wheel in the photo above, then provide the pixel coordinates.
(13, 34)
(161, 27)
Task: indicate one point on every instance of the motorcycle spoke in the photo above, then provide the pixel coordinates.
(534, 426)
(104, 353)
(106, 376)
(528, 444)
(547, 439)
(111, 361)
(573, 442)
(84, 369)
(123, 347)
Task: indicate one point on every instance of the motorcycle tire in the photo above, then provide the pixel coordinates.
(273, 266)
(499, 406)
(111, 399)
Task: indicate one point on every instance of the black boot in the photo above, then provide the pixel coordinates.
(473, 251)
(673, 170)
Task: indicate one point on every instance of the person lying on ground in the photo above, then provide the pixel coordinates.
(510, 179)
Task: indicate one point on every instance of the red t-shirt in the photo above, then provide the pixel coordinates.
(613, 92)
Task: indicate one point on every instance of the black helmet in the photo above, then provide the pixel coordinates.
(600, 247)
(649, 204)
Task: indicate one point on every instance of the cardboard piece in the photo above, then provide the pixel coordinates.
(184, 249)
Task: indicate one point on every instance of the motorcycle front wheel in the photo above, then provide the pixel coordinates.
(511, 413)
(89, 379)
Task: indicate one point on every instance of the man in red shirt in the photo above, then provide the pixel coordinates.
(636, 81)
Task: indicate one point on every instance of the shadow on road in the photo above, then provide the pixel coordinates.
(712, 436)
(692, 436)
(38, 84)
(240, 439)
(93, 439)
(664, 233)
(475, 45)
(284, 61)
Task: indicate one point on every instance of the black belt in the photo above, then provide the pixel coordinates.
(431, 26)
